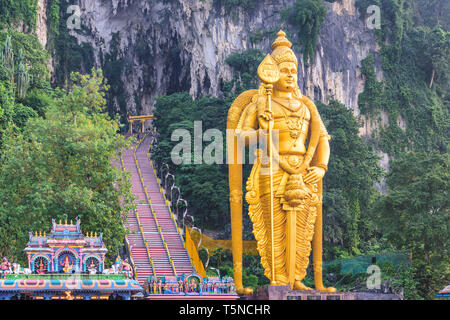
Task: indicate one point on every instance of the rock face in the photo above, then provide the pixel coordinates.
(177, 45)
(41, 22)
(168, 46)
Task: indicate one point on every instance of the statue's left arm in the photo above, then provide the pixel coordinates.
(319, 165)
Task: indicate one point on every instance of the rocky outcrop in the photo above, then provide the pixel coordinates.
(41, 22)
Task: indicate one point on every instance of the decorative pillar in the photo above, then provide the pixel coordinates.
(142, 126)
(131, 126)
(55, 265)
(52, 256)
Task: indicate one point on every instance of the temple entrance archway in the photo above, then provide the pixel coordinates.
(142, 119)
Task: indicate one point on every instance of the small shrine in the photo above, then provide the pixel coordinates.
(65, 250)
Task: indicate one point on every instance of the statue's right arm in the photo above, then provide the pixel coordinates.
(249, 126)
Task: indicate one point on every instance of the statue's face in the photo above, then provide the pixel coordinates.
(288, 77)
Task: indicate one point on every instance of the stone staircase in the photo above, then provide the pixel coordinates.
(157, 248)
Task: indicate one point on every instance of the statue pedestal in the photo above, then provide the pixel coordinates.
(285, 293)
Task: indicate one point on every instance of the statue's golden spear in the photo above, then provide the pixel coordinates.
(268, 73)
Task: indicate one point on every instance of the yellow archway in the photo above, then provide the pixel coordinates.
(142, 119)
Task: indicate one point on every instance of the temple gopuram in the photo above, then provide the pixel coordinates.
(67, 265)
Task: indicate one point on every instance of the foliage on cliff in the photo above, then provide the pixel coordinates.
(414, 60)
(307, 16)
(68, 56)
(24, 79)
(14, 12)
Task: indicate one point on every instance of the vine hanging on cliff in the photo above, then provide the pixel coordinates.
(307, 16)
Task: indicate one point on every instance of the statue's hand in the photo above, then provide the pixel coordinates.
(267, 115)
(314, 175)
(269, 88)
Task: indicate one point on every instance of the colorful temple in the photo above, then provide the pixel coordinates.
(67, 265)
(65, 250)
(444, 293)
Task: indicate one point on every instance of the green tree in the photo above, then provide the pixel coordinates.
(349, 183)
(60, 167)
(204, 186)
(7, 104)
(414, 216)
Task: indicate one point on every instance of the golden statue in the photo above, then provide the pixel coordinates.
(284, 190)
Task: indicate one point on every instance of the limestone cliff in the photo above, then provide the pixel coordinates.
(169, 46)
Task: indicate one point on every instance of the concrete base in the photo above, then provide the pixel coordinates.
(285, 293)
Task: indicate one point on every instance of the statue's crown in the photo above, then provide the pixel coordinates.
(282, 51)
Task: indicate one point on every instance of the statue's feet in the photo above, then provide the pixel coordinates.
(244, 291)
(324, 289)
(298, 285)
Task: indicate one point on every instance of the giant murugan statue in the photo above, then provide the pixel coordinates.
(284, 190)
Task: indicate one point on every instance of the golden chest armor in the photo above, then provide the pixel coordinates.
(294, 121)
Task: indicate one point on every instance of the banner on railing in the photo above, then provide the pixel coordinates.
(192, 250)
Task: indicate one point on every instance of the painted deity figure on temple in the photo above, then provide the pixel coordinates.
(41, 269)
(160, 286)
(117, 264)
(127, 269)
(67, 265)
(154, 286)
(284, 190)
(92, 268)
(5, 267)
(194, 285)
